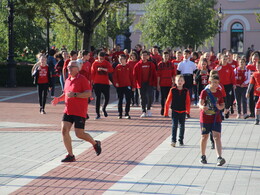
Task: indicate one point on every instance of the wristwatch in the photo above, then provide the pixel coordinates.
(75, 94)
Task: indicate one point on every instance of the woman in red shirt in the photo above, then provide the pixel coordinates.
(42, 78)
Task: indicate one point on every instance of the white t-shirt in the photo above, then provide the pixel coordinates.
(186, 67)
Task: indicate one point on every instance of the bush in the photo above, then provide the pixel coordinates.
(23, 75)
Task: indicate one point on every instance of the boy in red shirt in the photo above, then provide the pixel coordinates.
(210, 104)
(179, 98)
(73, 56)
(76, 93)
(178, 59)
(124, 83)
(166, 73)
(255, 81)
(99, 75)
(145, 78)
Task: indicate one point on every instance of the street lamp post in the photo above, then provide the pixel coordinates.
(11, 81)
(127, 32)
(220, 16)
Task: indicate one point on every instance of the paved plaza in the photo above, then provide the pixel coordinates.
(137, 157)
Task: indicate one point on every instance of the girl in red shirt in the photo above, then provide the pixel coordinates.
(42, 78)
(242, 75)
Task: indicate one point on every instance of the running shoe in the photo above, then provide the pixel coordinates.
(97, 147)
(220, 161)
(203, 159)
(69, 158)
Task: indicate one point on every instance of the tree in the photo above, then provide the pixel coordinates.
(177, 23)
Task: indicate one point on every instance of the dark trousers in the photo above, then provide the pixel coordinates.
(176, 119)
(164, 95)
(228, 99)
(241, 98)
(188, 83)
(42, 94)
(135, 97)
(124, 92)
(146, 94)
(252, 102)
(53, 82)
(101, 89)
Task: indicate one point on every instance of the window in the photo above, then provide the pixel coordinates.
(237, 38)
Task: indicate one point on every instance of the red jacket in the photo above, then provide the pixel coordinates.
(123, 76)
(138, 73)
(101, 77)
(226, 74)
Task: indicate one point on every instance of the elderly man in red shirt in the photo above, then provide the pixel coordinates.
(76, 93)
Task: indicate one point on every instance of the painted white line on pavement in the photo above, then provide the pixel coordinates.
(20, 125)
(48, 166)
(17, 96)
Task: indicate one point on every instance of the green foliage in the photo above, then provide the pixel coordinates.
(3, 34)
(174, 23)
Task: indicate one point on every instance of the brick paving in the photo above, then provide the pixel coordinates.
(136, 158)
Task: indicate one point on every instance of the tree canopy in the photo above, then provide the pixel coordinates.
(174, 23)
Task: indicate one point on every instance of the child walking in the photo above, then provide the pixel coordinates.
(179, 99)
(255, 81)
(210, 104)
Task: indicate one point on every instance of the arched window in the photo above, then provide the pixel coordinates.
(237, 37)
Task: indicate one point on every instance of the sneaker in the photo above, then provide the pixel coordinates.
(181, 143)
(97, 147)
(127, 117)
(256, 122)
(238, 116)
(252, 115)
(232, 110)
(220, 161)
(246, 116)
(97, 117)
(69, 158)
(43, 112)
(203, 159)
(162, 111)
(173, 144)
(119, 117)
(212, 145)
(149, 113)
(187, 116)
(105, 113)
(143, 115)
(227, 115)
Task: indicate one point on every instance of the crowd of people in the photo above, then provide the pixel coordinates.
(214, 83)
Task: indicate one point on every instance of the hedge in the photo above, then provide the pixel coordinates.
(23, 75)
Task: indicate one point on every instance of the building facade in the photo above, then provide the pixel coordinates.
(239, 26)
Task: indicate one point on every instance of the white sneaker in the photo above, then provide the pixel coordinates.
(149, 113)
(143, 115)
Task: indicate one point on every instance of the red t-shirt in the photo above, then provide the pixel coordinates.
(233, 64)
(101, 77)
(123, 76)
(166, 70)
(132, 63)
(209, 116)
(66, 63)
(255, 80)
(86, 70)
(175, 63)
(212, 65)
(251, 67)
(226, 74)
(43, 75)
(76, 106)
(157, 58)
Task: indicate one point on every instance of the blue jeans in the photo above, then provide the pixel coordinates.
(176, 119)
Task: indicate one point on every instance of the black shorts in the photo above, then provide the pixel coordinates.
(79, 122)
(206, 128)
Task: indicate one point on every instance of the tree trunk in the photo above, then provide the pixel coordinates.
(87, 38)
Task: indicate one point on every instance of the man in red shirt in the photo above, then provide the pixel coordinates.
(116, 54)
(166, 73)
(99, 75)
(86, 66)
(76, 93)
(145, 78)
(124, 83)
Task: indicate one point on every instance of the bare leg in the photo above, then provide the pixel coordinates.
(65, 129)
(203, 143)
(218, 145)
(85, 136)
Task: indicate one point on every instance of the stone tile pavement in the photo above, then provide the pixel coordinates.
(137, 157)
